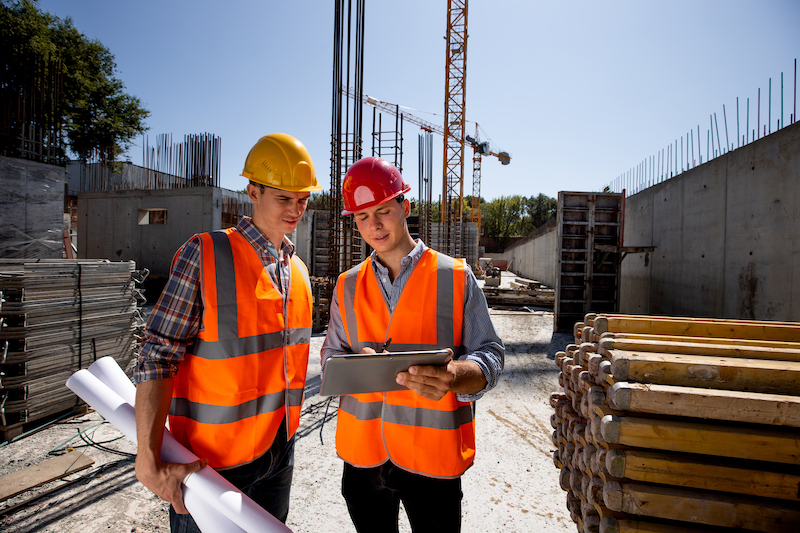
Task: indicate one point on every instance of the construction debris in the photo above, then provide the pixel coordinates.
(523, 292)
(56, 317)
(679, 424)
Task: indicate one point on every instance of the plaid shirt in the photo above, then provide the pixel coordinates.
(176, 318)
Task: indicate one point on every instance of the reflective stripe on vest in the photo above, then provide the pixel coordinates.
(246, 371)
(435, 439)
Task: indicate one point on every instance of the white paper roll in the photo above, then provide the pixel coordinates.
(109, 372)
(204, 488)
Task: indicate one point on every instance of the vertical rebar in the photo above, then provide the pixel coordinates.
(711, 120)
(747, 128)
(719, 145)
(769, 107)
(737, 122)
(727, 139)
(699, 153)
(758, 123)
(780, 124)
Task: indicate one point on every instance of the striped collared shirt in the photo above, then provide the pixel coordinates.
(479, 339)
(175, 320)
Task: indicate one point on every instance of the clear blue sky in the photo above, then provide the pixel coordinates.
(577, 91)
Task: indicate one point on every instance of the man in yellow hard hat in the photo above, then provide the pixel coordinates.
(226, 348)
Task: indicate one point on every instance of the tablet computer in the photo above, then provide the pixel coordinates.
(359, 373)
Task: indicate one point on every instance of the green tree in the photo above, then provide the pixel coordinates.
(538, 210)
(501, 216)
(96, 114)
(515, 216)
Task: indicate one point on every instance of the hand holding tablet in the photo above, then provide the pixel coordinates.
(360, 373)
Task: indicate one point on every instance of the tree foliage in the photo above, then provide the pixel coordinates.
(516, 216)
(97, 115)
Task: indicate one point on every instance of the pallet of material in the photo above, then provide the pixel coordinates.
(56, 317)
(679, 424)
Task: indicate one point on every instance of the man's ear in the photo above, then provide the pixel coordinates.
(252, 192)
(406, 208)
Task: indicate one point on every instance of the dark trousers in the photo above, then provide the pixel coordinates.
(373, 497)
(267, 481)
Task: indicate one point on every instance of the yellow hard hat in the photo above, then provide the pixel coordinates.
(280, 161)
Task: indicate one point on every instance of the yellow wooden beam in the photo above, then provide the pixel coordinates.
(734, 406)
(701, 507)
(757, 375)
(738, 329)
(687, 471)
(702, 438)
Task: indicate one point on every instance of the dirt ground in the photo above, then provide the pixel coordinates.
(512, 487)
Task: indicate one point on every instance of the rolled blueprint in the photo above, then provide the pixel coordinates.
(215, 504)
(109, 372)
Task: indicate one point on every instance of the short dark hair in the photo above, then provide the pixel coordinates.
(400, 198)
(259, 185)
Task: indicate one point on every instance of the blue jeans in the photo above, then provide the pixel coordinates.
(373, 497)
(267, 481)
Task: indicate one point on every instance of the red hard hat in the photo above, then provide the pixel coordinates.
(369, 182)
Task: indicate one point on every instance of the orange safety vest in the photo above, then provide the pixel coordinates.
(432, 438)
(246, 371)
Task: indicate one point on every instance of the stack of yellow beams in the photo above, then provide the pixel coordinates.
(680, 424)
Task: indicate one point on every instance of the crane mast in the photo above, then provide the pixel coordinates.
(452, 210)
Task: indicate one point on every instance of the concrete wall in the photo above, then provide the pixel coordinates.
(534, 257)
(31, 209)
(108, 224)
(727, 237)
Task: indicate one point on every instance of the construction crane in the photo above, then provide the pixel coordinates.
(455, 96)
(480, 148)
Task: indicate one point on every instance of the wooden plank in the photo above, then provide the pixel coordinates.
(737, 329)
(39, 474)
(784, 352)
(702, 507)
(734, 406)
(704, 439)
(616, 525)
(686, 471)
(700, 340)
(756, 375)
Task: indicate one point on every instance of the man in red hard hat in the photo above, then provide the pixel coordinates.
(226, 348)
(410, 445)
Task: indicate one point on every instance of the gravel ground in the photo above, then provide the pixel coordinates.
(513, 485)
